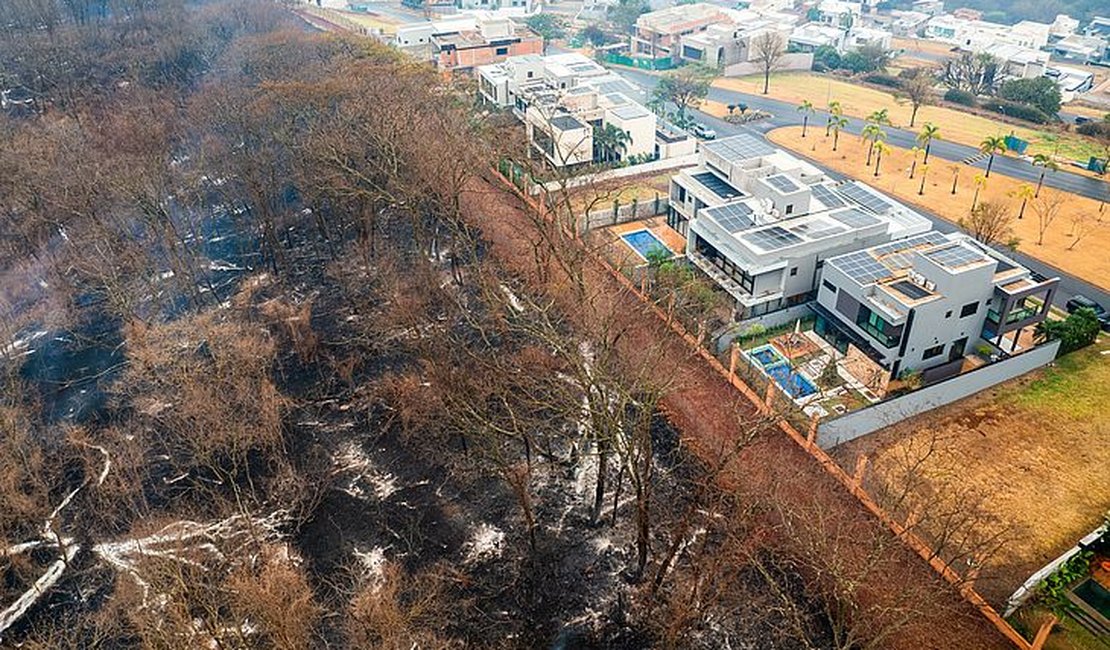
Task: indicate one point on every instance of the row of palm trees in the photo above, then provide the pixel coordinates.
(873, 133)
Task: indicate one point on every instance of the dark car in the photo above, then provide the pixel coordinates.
(1079, 119)
(1079, 302)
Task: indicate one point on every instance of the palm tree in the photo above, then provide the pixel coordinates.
(880, 117)
(610, 142)
(873, 133)
(880, 147)
(924, 173)
(837, 122)
(929, 132)
(806, 108)
(1046, 163)
(835, 111)
(991, 145)
(1023, 192)
(980, 181)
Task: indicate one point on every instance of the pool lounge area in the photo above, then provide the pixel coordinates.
(777, 367)
(644, 243)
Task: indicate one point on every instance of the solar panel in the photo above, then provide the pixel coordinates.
(733, 217)
(955, 256)
(857, 194)
(861, 267)
(854, 218)
(929, 238)
(818, 229)
(717, 185)
(739, 147)
(782, 183)
(826, 196)
(772, 238)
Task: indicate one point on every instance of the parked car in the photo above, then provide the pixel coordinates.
(1079, 119)
(704, 132)
(1080, 301)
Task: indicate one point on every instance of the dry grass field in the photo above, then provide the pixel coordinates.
(1034, 448)
(860, 101)
(1078, 216)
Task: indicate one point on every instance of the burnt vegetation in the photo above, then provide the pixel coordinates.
(265, 386)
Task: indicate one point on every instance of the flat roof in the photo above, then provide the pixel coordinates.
(739, 147)
(566, 123)
(719, 186)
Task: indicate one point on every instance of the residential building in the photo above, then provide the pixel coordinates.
(1063, 26)
(563, 98)
(839, 13)
(658, 33)
(1070, 81)
(761, 222)
(977, 35)
(907, 23)
(1083, 49)
(1099, 26)
(924, 302)
(810, 36)
(525, 6)
(1019, 62)
(728, 43)
(929, 7)
(860, 37)
(466, 41)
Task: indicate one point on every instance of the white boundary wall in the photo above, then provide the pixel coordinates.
(850, 426)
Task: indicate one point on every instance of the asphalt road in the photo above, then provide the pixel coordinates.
(785, 114)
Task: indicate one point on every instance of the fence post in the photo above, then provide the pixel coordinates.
(1042, 634)
(733, 353)
(861, 467)
(770, 396)
(812, 437)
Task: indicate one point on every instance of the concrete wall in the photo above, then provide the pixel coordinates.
(785, 316)
(850, 426)
(788, 62)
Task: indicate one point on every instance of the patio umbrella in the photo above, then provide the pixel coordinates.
(798, 326)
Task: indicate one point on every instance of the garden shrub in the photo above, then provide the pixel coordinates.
(1020, 111)
(957, 96)
(1094, 129)
(880, 79)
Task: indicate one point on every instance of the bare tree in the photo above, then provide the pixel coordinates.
(917, 89)
(990, 223)
(1047, 208)
(769, 48)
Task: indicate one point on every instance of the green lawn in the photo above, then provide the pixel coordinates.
(1076, 387)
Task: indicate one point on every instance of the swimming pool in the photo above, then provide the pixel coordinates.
(643, 242)
(793, 382)
(766, 355)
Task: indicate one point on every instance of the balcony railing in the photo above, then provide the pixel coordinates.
(1014, 315)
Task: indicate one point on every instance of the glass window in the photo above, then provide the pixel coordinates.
(969, 309)
(934, 351)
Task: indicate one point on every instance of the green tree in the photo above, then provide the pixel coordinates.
(873, 133)
(593, 35)
(623, 15)
(880, 147)
(1078, 330)
(835, 110)
(991, 145)
(806, 109)
(925, 138)
(549, 26)
(1040, 92)
(686, 88)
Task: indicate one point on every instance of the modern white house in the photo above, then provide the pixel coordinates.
(977, 35)
(761, 222)
(563, 98)
(924, 302)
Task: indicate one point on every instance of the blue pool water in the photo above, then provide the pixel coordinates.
(766, 355)
(791, 381)
(643, 242)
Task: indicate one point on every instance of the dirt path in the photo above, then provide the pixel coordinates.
(710, 413)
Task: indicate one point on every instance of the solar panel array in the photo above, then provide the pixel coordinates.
(954, 256)
(868, 200)
(818, 229)
(929, 238)
(733, 217)
(772, 238)
(826, 196)
(717, 185)
(861, 266)
(913, 291)
(739, 147)
(782, 183)
(854, 218)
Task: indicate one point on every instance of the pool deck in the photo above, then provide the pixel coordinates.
(622, 254)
